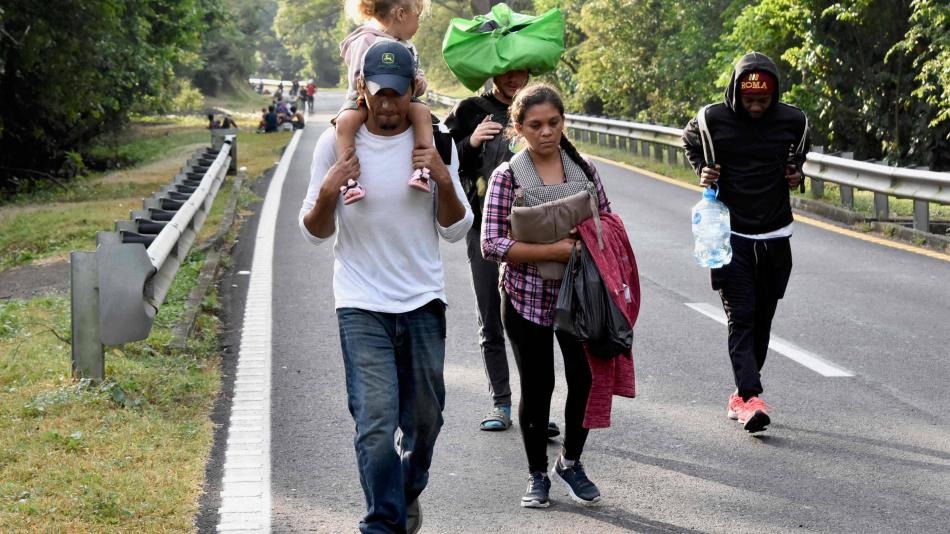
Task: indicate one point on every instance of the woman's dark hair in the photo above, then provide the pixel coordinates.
(543, 93)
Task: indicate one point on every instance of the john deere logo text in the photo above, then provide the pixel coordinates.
(753, 82)
(388, 58)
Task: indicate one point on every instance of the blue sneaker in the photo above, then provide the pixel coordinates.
(537, 494)
(580, 488)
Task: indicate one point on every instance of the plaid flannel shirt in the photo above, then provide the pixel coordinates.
(532, 296)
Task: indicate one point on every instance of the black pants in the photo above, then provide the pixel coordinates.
(533, 347)
(491, 334)
(750, 288)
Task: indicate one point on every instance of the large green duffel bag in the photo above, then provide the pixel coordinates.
(479, 49)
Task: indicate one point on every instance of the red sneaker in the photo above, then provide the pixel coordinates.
(734, 405)
(753, 415)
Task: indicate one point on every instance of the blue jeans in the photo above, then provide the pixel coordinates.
(394, 364)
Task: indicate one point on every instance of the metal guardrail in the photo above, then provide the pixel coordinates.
(665, 144)
(118, 289)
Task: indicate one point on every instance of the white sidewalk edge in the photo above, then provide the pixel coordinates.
(245, 490)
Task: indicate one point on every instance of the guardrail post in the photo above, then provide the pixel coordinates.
(847, 192)
(882, 209)
(644, 149)
(817, 184)
(88, 355)
(922, 215)
(612, 141)
(657, 151)
(671, 155)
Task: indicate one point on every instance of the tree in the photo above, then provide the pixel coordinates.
(927, 45)
(72, 69)
(311, 31)
(645, 59)
(233, 33)
(850, 65)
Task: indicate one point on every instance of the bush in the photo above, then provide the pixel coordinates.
(187, 98)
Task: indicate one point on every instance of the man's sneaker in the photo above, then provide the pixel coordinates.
(539, 485)
(753, 415)
(553, 430)
(413, 517)
(580, 488)
(735, 404)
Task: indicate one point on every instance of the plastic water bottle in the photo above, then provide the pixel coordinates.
(711, 230)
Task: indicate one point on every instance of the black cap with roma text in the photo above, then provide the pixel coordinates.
(388, 65)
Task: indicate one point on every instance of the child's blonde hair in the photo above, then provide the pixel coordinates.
(360, 11)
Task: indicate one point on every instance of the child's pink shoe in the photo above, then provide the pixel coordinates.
(352, 191)
(420, 180)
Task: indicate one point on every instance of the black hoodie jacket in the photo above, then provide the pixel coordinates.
(752, 153)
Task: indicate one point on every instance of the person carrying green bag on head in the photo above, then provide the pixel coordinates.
(479, 49)
(497, 48)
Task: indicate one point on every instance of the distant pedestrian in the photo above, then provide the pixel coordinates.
(760, 145)
(552, 167)
(388, 287)
(311, 92)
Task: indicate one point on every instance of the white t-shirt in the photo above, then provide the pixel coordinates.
(387, 245)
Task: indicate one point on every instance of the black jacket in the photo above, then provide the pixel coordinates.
(461, 122)
(752, 153)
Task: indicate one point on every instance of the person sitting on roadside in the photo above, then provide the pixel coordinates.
(270, 120)
(296, 118)
(213, 124)
(262, 124)
(228, 122)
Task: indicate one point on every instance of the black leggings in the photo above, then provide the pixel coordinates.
(533, 347)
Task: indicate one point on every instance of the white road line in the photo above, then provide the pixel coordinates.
(245, 488)
(786, 348)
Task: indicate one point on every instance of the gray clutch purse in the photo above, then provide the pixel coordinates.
(550, 222)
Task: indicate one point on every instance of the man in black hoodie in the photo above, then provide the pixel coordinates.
(754, 149)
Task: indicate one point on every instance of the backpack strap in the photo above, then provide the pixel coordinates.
(443, 140)
(709, 152)
(800, 149)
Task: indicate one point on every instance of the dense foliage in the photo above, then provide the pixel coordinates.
(73, 69)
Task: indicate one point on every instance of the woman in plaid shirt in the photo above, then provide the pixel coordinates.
(537, 116)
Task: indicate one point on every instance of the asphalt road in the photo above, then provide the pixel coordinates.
(868, 453)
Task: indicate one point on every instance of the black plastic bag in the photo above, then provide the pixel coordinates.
(586, 310)
(564, 308)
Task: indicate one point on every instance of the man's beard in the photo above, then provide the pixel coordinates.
(388, 122)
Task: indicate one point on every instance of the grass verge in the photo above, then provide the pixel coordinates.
(126, 455)
(129, 454)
